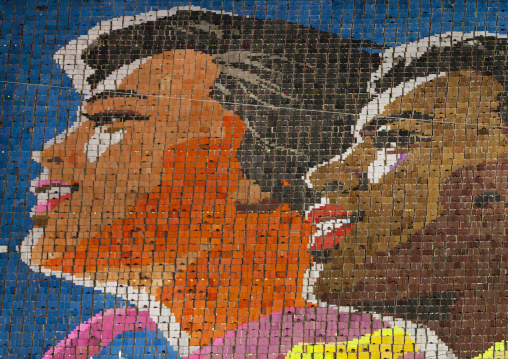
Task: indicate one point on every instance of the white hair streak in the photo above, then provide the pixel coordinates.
(391, 57)
(69, 57)
(412, 51)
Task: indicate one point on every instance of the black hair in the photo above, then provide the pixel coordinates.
(284, 80)
(487, 55)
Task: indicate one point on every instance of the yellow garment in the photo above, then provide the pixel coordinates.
(497, 351)
(382, 344)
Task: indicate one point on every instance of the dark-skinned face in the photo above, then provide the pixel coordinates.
(408, 151)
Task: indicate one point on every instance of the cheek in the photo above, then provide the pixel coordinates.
(422, 161)
(126, 150)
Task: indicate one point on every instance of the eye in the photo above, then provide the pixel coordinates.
(108, 118)
(386, 133)
(107, 129)
(394, 138)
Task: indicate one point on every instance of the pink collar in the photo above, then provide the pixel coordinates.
(98, 332)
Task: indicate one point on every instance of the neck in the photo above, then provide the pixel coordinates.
(206, 319)
(242, 274)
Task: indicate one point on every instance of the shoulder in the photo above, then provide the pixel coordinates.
(295, 332)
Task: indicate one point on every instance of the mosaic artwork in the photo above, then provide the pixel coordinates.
(287, 180)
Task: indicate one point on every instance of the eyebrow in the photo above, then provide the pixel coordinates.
(114, 93)
(397, 118)
(108, 117)
(372, 129)
(404, 115)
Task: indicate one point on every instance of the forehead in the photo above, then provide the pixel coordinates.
(103, 91)
(164, 81)
(150, 76)
(439, 95)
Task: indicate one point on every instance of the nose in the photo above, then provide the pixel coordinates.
(350, 174)
(362, 182)
(354, 180)
(66, 150)
(55, 159)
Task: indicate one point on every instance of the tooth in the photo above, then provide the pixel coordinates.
(53, 192)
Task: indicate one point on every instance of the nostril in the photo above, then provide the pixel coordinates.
(357, 216)
(363, 184)
(333, 186)
(55, 159)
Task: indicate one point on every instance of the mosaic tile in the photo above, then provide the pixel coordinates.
(247, 179)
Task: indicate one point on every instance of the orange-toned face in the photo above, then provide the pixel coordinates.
(113, 164)
(146, 194)
(393, 178)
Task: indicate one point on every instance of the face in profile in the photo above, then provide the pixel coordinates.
(144, 193)
(404, 156)
(95, 176)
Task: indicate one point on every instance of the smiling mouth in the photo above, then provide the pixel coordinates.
(333, 224)
(50, 194)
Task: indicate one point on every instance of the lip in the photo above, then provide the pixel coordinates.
(333, 224)
(50, 194)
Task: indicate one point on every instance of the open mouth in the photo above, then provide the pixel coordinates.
(333, 224)
(51, 193)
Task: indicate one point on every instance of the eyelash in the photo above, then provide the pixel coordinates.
(106, 119)
(397, 135)
(384, 138)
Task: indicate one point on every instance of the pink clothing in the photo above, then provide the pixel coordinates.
(98, 332)
(272, 337)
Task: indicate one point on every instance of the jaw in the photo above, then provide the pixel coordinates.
(417, 272)
(140, 297)
(395, 209)
(78, 227)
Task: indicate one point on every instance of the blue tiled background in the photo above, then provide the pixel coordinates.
(38, 102)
